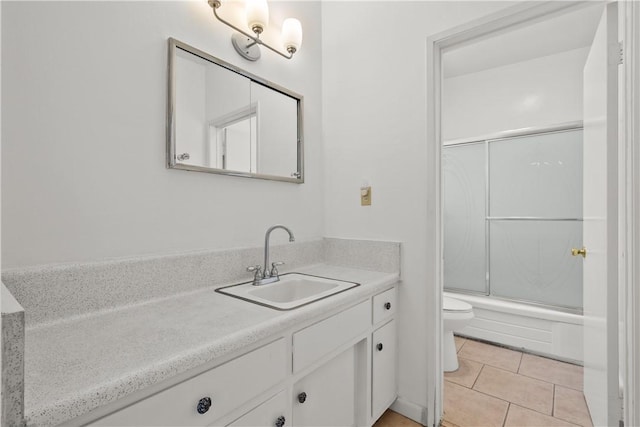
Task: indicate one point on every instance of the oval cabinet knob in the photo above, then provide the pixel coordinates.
(387, 305)
(302, 397)
(379, 346)
(204, 404)
(280, 421)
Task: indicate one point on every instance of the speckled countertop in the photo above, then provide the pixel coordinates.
(77, 365)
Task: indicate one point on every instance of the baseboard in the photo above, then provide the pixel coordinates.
(410, 410)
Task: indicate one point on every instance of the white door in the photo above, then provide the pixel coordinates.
(601, 384)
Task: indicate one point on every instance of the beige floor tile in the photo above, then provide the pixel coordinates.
(570, 405)
(523, 417)
(459, 342)
(552, 371)
(446, 423)
(465, 407)
(393, 419)
(466, 374)
(523, 391)
(491, 355)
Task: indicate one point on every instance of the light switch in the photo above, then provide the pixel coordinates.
(365, 196)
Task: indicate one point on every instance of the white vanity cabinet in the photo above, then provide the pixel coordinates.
(336, 370)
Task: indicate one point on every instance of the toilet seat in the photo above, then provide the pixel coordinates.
(455, 306)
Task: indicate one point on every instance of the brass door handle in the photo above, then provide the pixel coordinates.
(576, 252)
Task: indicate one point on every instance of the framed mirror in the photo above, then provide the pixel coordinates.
(222, 119)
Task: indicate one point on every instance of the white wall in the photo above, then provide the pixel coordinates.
(374, 109)
(539, 92)
(84, 109)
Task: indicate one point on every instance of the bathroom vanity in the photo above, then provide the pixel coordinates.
(336, 369)
(150, 341)
(128, 342)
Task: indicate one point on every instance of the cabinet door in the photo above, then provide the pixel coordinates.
(326, 397)
(383, 381)
(273, 412)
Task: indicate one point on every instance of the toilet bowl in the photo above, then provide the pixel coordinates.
(456, 315)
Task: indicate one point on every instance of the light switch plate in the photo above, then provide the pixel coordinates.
(365, 196)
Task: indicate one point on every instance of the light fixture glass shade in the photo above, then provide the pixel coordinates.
(257, 15)
(292, 34)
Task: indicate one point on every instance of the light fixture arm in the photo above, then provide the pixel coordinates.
(215, 4)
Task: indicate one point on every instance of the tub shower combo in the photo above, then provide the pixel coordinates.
(512, 214)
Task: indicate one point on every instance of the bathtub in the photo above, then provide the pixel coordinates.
(538, 330)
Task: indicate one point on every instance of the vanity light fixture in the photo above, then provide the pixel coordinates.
(257, 13)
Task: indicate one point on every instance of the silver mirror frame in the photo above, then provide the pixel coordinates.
(171, 116)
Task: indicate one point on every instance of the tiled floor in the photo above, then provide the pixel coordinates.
(393, 419)
(496, 386)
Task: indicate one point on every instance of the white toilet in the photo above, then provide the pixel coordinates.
(456, 315)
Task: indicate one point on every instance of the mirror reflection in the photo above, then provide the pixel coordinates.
(225, 120)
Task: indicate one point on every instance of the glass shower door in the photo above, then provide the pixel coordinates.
(535, 218)
(512, 213)
(464, 172)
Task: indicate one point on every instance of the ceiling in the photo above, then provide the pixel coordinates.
(553, 35)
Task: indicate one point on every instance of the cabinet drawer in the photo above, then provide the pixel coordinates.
(267, 413)
(228, 386)
(314, 342)
(384, 305)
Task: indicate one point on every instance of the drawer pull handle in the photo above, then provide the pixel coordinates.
(387, 305)
(379, 346)
(204, 404)
(280, 421)
(302, 397)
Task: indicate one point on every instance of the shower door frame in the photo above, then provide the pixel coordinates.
(629, 185)
(486, 140)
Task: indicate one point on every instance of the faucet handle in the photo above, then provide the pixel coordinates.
(257, 269)
(274, 268)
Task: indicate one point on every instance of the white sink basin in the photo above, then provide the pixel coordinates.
(291, 291)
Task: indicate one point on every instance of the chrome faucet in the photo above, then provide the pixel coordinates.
(262, 275)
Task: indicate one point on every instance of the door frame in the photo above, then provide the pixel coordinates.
(630, 216)
(629, 191)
